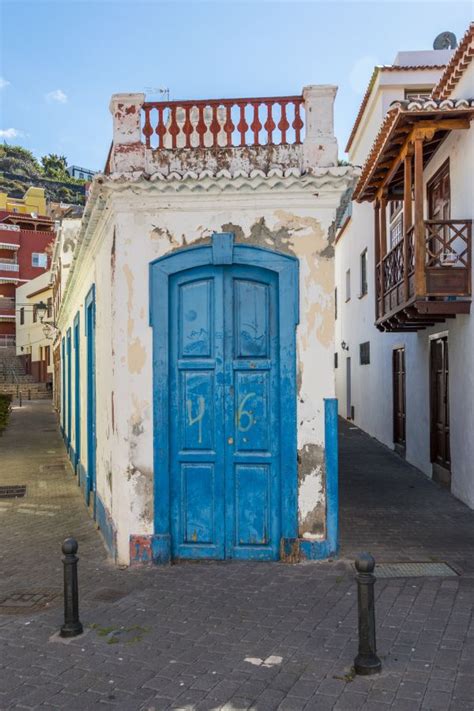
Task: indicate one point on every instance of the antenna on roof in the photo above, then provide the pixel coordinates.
(158, 90)
(445, 40)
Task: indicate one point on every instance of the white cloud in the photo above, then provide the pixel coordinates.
(361, 72)
(10, 133)
(57, 95)
(4, 83)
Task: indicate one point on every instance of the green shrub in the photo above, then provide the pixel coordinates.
(5, 407)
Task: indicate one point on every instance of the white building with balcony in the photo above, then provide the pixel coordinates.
(404, 333)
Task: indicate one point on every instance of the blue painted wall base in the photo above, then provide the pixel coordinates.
(106, 525)
(157, 548)
(318, 550)
(82, 478)
(149, 549)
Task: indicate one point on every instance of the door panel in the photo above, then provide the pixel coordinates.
(198, 416)
(224, 413)
(252, 504)
(196, 413)
(252, 414)
(399, 410)
(440, 444)
(198, 503)
(252, 431)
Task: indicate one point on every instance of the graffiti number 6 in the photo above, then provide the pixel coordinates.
(246, 414)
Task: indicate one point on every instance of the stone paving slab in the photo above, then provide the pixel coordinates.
(231, 636)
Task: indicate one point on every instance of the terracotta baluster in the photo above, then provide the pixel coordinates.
(298, 122)
(147, 128)
(242, 126)
(256, 125)
(283, 124)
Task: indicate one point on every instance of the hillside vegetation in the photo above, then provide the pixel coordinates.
(19, 170)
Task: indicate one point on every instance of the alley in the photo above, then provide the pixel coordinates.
(231, 636)
(393, 510)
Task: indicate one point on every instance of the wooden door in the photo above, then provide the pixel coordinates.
(399, 398)
(439, 391)
(224, 413)
(252, 413)
(91, 443)
(348, 389)
(77, 388)
(439, 194)
(439, 208)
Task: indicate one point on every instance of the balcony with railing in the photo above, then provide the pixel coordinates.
(9, 237)
(446, 273)
(6, 340)
(227, 136)
(7, 306)
(9, 268)
(425, 278)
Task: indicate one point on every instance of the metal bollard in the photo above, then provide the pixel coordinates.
(72, 626)
(19, 400)
(367, 661)
(29, 394)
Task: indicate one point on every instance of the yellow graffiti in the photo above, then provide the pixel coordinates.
(248, 414)
(199, 417)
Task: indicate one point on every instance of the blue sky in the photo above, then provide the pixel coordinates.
(61, 60)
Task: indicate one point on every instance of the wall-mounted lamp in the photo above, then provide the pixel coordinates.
(344, 346)
(50, 329)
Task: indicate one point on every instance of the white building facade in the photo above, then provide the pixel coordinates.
(33, 344)
(200, 298)
(404, 331)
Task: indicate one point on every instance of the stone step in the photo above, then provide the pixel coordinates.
(24, 389)
(19, 377)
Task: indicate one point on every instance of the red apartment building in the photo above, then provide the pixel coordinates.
(25, 252)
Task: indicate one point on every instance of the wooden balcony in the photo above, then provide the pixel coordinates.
(418, 287)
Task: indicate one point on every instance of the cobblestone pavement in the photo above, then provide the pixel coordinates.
(232, 636)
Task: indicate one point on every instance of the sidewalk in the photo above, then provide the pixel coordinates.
(207, 636)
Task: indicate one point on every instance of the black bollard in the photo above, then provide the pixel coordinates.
(19, 400)
(29, 394)
(72, 626)
(367, 661)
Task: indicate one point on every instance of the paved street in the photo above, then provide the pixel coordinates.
(232, 636)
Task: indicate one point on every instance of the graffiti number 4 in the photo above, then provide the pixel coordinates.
(199, 417)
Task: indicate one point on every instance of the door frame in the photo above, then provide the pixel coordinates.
(399, 446)
(63, 388)
(222, 251)
(69, 389)
(89, 325)
(441, 473)
(348, 388)
(77, 389)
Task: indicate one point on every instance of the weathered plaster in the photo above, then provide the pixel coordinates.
(149, 223)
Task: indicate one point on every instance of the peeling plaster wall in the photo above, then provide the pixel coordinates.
(143, 224)
(146, 230)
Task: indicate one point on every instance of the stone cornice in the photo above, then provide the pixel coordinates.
(224, 181)
(292, 182)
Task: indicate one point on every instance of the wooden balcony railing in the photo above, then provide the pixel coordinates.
(223, 123)
(448, 260)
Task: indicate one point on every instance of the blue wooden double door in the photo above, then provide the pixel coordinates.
(224, 413)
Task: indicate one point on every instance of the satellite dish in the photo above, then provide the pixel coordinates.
(445, 40)
(34, 215)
